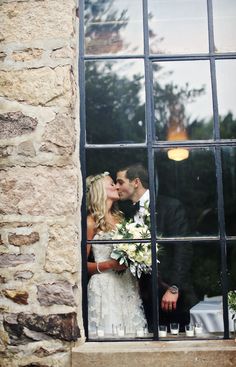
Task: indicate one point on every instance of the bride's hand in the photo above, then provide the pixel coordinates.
(116, 266)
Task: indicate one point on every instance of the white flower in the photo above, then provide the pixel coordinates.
(136, 256)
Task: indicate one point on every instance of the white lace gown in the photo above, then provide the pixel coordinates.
(113, 299)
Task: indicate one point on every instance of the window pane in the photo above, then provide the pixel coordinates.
(229, 182)
(231, 259)
(182, 100)
(115, 102)
(226, 91)
(224, 16)
(205, 273)
(178, 26)
(187, 199)
(195, 269)
(115, 305)
(113, 27)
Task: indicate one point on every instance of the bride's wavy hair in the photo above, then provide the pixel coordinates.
(96, 201)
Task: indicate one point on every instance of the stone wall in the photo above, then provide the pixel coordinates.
(40, 183)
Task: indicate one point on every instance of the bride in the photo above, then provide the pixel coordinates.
(113, 298)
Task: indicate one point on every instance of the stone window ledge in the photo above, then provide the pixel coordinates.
(201, 353)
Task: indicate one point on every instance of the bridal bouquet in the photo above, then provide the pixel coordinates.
(136, 256)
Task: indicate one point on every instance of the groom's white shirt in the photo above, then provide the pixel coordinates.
(145, 199)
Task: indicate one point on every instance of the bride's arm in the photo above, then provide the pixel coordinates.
(104, 265)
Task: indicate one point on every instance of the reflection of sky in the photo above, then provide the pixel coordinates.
(197, 75)
(226, 86)
(181, 25)
(224, 12)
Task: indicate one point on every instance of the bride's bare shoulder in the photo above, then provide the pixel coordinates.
(91, 227)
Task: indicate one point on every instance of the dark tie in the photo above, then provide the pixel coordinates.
(129, 209)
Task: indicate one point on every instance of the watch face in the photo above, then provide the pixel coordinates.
(174, 289)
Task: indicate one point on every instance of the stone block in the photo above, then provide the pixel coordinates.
(27, 54)
(61, 133)
(26, 148)
(62, 53)
(60, 293)
(6, 151)
(23, 275)
(12, 260)
(38, 191)
(60, 326)
(20, 297)
(42, 86)
(23, 239)
(31, 21)
(14, 124)
(62, 253)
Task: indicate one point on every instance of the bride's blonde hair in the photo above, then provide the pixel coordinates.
(96, 201)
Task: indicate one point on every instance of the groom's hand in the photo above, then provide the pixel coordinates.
(169, 301)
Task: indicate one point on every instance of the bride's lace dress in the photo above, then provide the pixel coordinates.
(113, 299)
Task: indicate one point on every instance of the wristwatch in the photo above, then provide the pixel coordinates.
(173, 289)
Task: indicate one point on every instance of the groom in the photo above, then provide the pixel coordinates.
(175, 292)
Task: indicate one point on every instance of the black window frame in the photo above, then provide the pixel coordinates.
(151, 145)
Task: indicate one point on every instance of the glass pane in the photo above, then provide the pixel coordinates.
(182, 100)
(205, 274)
(186, 193)
(178, 26)
(111, 314)
(195, 269)
(115, 304)
(117, 162)
(115, 102)
(226, 91)
(113, 27)
(231, 259)
(229, 182)
(224, 17)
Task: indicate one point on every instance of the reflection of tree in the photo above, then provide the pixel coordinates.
(228, 126)
(114, 111)
(170, 101)
(103, 24)
(206, 270)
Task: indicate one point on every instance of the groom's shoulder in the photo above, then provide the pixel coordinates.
(167, 201)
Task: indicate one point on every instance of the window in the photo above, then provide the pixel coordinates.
(157, 84)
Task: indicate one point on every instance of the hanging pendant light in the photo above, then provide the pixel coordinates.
(177, 132)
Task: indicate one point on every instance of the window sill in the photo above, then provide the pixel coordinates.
(207, 353)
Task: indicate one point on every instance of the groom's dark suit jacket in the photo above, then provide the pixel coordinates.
(175, 260)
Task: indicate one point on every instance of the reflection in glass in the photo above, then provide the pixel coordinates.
(186, 194)
(113, 27)
(226, 91)
(231, 259)
(177, 26)
(174, 269)
(229, 184)
(114, 301)
(115, 102)
(205, 273)
(224, 18)
(100, 160)
(182, 100)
